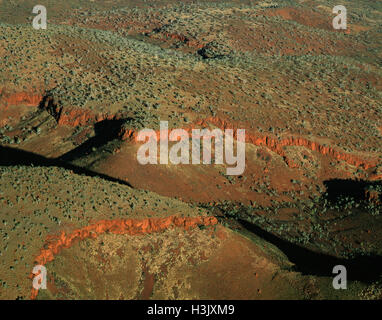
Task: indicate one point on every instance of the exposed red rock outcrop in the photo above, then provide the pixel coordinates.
(274, 144)
(73, 116)
(277, 145)
(25, 98)
(79, 117)
(55, 244)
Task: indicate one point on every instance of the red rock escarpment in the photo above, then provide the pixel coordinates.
(20, 98)
(79, 117)
(274, 144)
(122, 226)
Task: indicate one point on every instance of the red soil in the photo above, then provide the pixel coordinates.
(20, 98)
(304, 17)
(123, 226)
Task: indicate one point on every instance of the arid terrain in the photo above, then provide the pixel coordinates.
(74, 197)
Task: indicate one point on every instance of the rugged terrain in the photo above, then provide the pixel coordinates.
(73, 98)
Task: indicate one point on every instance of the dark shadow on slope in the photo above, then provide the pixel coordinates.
(105, 131)
(366, 267)
(341, 188)
(308, 262)
(47, 103)
(15, 157)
